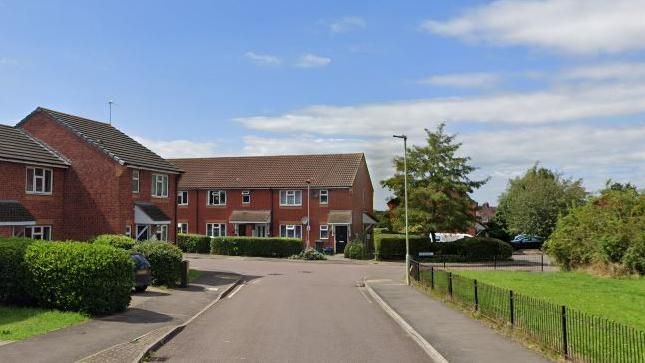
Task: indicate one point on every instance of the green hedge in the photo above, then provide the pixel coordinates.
(356, 250)
(165, 259)
(116, 240)
(14, 288)
(477, 249)
(256, 246)
(194, 243)
(75, 276)
(392, 246)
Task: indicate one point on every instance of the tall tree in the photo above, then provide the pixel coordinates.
(439, 185)
(533, 202)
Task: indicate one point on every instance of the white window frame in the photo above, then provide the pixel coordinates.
(159, 180)
(247, 194)
(136, 176)
(180, 197)
(324, 228)
(220, 193)
(221, 228)
(181, 229)
(39, 232)
(42, 178)
(161, 232)
(286, 228)
(324, 192)
(285, 195)
(128, 230)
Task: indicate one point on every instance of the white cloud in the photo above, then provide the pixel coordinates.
(263, 59)
(622, 71)
(179, 148)
(568, 26)
(312, 61)
(462, 80)
(347, 24)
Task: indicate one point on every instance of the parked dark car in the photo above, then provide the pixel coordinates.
(142, 272)
(527, 241)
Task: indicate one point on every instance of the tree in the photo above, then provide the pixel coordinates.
(438, 186)
(533, 203)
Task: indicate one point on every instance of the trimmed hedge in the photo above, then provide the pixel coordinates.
(83, 277)
(194, 243)
(116, 240)
(256, 246)
(474, 249)
(14, 288)
(355, 250)
(392, 246)
(165, 259)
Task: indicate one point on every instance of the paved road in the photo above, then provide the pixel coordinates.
(294, 312)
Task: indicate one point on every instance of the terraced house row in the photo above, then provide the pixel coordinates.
(68, 177)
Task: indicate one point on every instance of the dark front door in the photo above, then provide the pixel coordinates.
(341, 238)
(241, 230)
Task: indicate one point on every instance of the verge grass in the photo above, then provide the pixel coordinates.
(17, 323)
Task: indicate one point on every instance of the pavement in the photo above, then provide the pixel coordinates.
(456, 337)
(122, 337)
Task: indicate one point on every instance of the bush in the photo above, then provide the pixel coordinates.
(392, 246)
(256, 246)
(194, 243)
(308, 254)
(356, 250)
(165, 259)
(115, 240)
(14, 287)
(473, 249)
(634, 258)
(83, 277)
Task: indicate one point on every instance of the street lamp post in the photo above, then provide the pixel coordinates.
(405, 193)
(308, 209)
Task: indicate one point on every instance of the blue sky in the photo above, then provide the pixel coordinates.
(560, 82)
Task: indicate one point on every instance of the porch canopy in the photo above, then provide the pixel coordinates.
(148, 213)
(339, 217)
(250, 216)
(369, 219)
(12, 213)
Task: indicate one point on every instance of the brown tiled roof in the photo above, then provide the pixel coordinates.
(284, 171)
(12, 211)
(18, 146)
(119, 146)
(250, 216)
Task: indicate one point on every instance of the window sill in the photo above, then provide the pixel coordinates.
(38, 193)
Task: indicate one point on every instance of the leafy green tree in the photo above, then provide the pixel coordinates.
(533, 202)
(438, 186)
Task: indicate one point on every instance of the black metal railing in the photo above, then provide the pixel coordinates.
(519, 262)
(574, 335)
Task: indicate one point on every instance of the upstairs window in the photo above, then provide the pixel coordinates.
(216, 197)
(160, 185)
(182, 198)
(291, 230)
(246, 197)
(324, 196)
(39, 180)
(291, 197)
(135, 181)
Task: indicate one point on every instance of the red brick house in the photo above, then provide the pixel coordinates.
(108, 182)
(328, 197)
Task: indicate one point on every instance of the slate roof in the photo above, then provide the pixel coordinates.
(119, 146)
(17, 145)
(13, 211)
(283, 171)
(155, 213)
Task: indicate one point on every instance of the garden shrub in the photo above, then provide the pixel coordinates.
(14, 287)
(116, 240)
(256, 246)
(392, 246)
(165, 259)
(473, 249)
(356, 250)
(73, 276)
(308, 254)
(194, 243)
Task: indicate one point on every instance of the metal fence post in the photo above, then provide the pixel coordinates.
(418, 272)
(565, 343)
(511, 306)
(450, 284)
(476, 295)
(541, 262)
(494, 262)
(432, 277)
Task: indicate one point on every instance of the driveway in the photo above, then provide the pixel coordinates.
(290, 311)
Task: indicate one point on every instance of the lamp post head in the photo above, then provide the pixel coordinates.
(404, 137)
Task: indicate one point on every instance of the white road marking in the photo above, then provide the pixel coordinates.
(255, 282)
(362, 291)
(212, 288)
(239, 287)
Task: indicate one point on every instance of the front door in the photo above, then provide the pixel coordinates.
(341, 238)
(142, 232)
(241, 230)
(260, 230)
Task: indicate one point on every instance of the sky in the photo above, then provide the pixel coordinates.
(561, 83)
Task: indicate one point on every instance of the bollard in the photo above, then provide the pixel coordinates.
(184, 274)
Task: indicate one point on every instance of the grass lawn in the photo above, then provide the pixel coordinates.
(18, 323)
(620, 300)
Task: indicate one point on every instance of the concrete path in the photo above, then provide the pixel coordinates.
(455, 336)
(120, 337)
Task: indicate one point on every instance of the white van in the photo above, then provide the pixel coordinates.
(449, 237)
